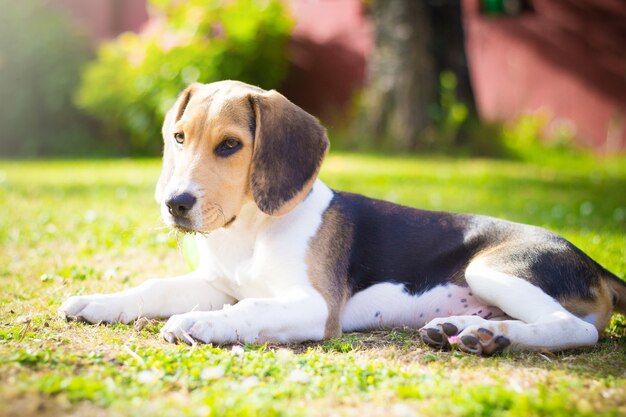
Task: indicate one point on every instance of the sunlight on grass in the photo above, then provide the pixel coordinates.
(92, 226)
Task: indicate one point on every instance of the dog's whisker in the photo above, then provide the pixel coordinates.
(177, 235)
(157, 228)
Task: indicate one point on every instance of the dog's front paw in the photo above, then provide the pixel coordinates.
(200, 327)
(98, 308)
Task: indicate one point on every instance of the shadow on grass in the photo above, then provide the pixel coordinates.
(607, 359)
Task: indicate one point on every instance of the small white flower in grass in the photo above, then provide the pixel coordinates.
(284, 354)
(249, 382)
(162, 238)
(237, 350)
(90, 216)
(213, 372)
(110, 384)
(121, 193)
(110, 273)
(147, 376)
(299, 376)
(403, 410)
(515, 385)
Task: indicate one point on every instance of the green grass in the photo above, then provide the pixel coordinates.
(92, 226)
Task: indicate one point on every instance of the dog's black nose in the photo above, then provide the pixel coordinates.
(180, 205)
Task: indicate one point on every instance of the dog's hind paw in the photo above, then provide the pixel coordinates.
(439, 336)
(470, 334)
(482, 341)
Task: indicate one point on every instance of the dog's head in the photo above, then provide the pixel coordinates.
(228, 144)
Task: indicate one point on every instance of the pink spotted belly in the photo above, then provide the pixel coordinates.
(389, 305)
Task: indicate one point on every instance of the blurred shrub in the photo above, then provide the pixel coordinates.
(137, 77)
(457, 131)
(40, 56)
(450, 115)
(535, 137)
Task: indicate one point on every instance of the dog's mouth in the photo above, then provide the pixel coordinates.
(186, 226)
(228, 223)
(203, 219)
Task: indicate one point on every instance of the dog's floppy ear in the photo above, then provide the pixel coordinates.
(172, 116)
(289, 146)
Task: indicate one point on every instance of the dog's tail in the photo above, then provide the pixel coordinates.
(618, 287)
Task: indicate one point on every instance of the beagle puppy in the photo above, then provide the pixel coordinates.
(284, 258)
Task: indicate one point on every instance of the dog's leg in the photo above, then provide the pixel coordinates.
(253, 320)
(542, 323)
(155, 298)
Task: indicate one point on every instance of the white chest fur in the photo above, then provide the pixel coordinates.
(261, 255)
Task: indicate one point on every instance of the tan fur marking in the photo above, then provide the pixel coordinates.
(458, 277)
(327, 264)
(212, 113)
(601, 306)
(184, 100)
(503, 328)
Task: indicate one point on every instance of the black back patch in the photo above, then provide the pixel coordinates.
(423, 249)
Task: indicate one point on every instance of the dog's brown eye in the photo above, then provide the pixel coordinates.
(228, 147)
(230, 143)
(179, 137)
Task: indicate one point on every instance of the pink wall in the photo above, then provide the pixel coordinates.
(104, 19)
(329, 47)
(565, 58)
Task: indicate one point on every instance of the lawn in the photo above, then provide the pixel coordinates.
(92, 226)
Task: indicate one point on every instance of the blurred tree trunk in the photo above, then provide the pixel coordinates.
(415, 40)
(401, 74)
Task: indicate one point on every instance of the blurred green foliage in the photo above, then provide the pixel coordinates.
(535, 137)
(137, 77)
(458, 131)
(531, 137)
(450, 114)
(40, 56)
